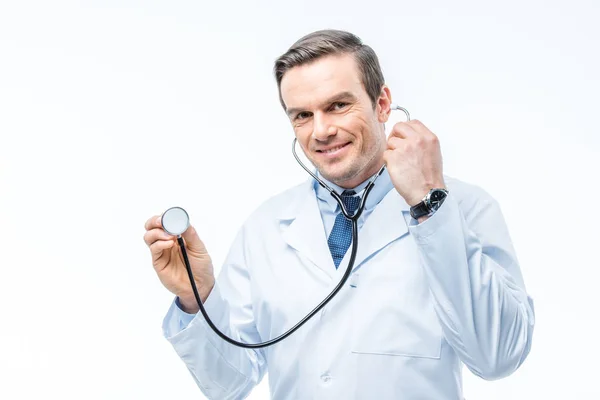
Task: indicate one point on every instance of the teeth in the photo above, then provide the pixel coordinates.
(332, 150)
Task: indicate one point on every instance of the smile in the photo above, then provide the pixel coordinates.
(334, 150)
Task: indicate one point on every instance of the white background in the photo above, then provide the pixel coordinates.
(113, 111)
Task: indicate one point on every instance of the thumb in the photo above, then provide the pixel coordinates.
(192, 240)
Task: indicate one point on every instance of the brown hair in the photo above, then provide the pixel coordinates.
(332, 42)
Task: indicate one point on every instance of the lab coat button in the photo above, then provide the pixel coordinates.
(353, 280)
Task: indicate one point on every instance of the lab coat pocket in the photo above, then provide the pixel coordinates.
(393, 311)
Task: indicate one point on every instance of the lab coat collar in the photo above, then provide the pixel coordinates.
(383, 185)
(303, 229)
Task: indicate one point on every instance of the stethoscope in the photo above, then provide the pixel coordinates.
(175, 221)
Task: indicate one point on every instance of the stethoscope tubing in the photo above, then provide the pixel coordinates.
(295, 327)
(354, 218)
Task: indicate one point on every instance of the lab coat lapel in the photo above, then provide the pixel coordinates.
(306, 233)
(386, 224)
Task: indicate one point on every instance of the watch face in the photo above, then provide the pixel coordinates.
(436, 198)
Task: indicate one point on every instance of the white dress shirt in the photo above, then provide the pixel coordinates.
(422, 301)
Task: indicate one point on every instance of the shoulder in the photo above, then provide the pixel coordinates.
(469, 196)
(482, 214)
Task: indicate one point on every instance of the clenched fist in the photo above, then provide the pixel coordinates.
(414, 160)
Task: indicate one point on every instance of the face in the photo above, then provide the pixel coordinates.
(334, 120)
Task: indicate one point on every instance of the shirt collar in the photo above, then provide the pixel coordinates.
(382, 186)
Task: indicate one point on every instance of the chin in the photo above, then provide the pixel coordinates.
(339, 176)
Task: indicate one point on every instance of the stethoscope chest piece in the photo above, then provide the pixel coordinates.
(175, 221)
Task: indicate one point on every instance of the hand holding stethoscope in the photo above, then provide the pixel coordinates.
(167, 257)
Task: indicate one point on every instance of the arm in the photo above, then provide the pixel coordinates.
(476, 285)
(221, 370)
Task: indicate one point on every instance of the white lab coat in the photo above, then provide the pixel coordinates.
(422, 300)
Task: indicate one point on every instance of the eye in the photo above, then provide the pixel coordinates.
(341, 104)
(302, 115)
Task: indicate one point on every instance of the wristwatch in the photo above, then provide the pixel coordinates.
(430, 203)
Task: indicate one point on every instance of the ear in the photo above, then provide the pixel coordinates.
(384, 102)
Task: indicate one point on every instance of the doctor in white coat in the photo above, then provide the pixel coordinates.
(426, 296)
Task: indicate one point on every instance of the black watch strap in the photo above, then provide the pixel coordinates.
(419, 210)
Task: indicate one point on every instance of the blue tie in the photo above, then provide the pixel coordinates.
(341, 234)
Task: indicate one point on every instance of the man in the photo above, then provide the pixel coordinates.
(426, 295)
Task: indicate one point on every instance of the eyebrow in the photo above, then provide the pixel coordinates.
(338, 97)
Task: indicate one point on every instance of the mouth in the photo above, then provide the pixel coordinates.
(334, 151)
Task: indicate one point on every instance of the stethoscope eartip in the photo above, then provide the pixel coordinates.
(397, 107)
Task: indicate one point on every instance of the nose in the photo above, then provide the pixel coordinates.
(322, 128)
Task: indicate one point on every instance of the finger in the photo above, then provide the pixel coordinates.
(394, 142)
(403, 130)
(419, 127)
(157, 248)
(153, 222)
(156, 234)
(192, 240)
(423, 131)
